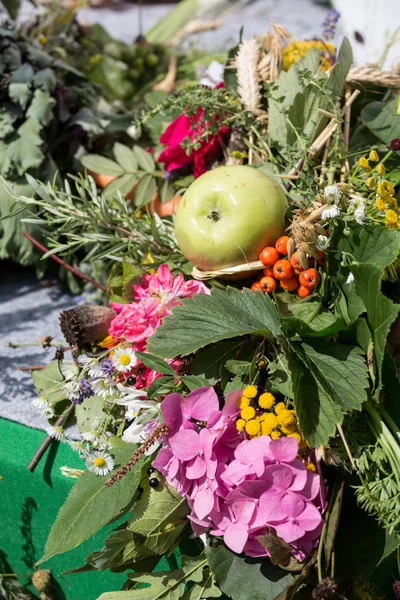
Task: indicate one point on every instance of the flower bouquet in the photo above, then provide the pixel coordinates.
(240, 392)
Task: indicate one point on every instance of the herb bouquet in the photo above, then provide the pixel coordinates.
(253, 405)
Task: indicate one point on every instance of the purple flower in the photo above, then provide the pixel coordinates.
(85, 391)
(199, 405)
(329, 24)
(107, 366)
(195, 449)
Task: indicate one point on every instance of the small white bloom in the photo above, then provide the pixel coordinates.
(323, 242)
(130, 413)
(332, 194)
(213, 75)
(72, 390)
(330, 212)
(56, 432)
(40, 402)
(130, 394)
(88, 436)
(134, 434)
(359, 214)
(70, 370)
(92, 366)
(103, 387)
(134, 132)
(350, 279)
(124, 359)
(77, 446)
(99, 462)
(48, 412)
(72, 473)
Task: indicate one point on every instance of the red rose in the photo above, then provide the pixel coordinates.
(175, 157)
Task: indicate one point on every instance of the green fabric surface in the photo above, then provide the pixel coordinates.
(29, 506)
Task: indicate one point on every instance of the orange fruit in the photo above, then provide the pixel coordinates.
(283, 269)
(281, 244)
(269, 256)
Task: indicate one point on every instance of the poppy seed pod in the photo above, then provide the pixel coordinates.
(86, 324)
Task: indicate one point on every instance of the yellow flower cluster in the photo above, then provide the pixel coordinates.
(385, 200)
(293, 52)
(264, 416)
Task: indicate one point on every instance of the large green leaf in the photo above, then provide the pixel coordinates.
(88, 413)
(41, 107)
(244, 578)
(312, 320)
(123, 184)
(49, 382)
(206, 319)
(91, 505)
(337, 77)
(369, 244)
(100, 164)
(328, 380)
(381, 312)
(382, 119)
(208, 362)
(125, 157)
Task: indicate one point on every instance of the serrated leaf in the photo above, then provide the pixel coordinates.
(125, 157)
(89, 412)
(41, 107)
(312, 320)
(157, 364)
(20, 93)
(209, 362)
(279, 376)
(123, 184)
(45, 79)
(8, 116)
(246, 579)
(144, 159)
(100, 164)
(206, 319)
(193, 382)
(23, 74)
(238, 367)
(381, 312)
(49, 382)
(382, 119)
(91, 505)
(376, 245)
(146, 188)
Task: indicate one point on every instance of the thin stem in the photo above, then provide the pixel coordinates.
(64, 264)
(17, 345)
(324, 531)
(31, 368)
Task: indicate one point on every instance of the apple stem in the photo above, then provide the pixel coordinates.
(214, 215)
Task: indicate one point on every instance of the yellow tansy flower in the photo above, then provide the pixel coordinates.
(268, 423)
(280, 407)
(293, 52)
(275, 435)
(243, 402)
(389, 188)
(266, 400)
(253, 427)
(391, 216)
(373, 155)
(287, 429)
(381, 169)
(287, 418)
(363, 162)
(250, 391)
(381, 189)
(296, 436)
(240, 423)
(371, 183)
(311, 467)
(248, 413)
(380, 204)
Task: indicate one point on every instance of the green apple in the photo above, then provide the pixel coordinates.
(228, 215)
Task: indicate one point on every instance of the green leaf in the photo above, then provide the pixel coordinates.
(244, 578)
(45, 79)
(12, 7)
(163, 506)
(23, 74)
(144, 159)
(337, 77)
(146, 188)
(208, 362)
(369, 244)
(332, 523)
(125, 157)
(206, 319)
(279, 376)
(20, 93)
(238, 367)
(157, 364)
(88, 412)
(123, 184)
(381, 312)
(160, 386)
(49, 383)
(312, 320)
(382, 119)
(193, 382)
(41, 107)
(91, 505)
(100, 164)
(8, 116)
(166, 191)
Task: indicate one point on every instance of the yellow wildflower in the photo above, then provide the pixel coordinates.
(280, 407)
(250, 391)
(253, 427)
(268, 423)
(107, 342)
(275, 435)
(243, 402)
(381, 169)
(373, 155)
(287, 429)
(381, 189)
(248, 413)
(389, 188)
(296, 436)
(363, 162)
(266, 400)
(42, 39)
(380, 203)
(391, 216)
(293, 52)
(371, 183)
(95, 59)
(311, 467)
(240, 424)
(287, 418)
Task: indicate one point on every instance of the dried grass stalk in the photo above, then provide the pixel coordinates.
(246, 63)
(374, 76)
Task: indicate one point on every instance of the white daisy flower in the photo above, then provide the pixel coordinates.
(72, 473)
(330, 212)
(99, 462)
(88, 436)
(359, 214)
(56, 432)
(103, 387)
(70, 370)
(332, 194)
(350, 279)
(40, 402)
(72, 390)
(124, 359)
(48, 412)
(323, 242)
(77, 446)
(92, 366)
